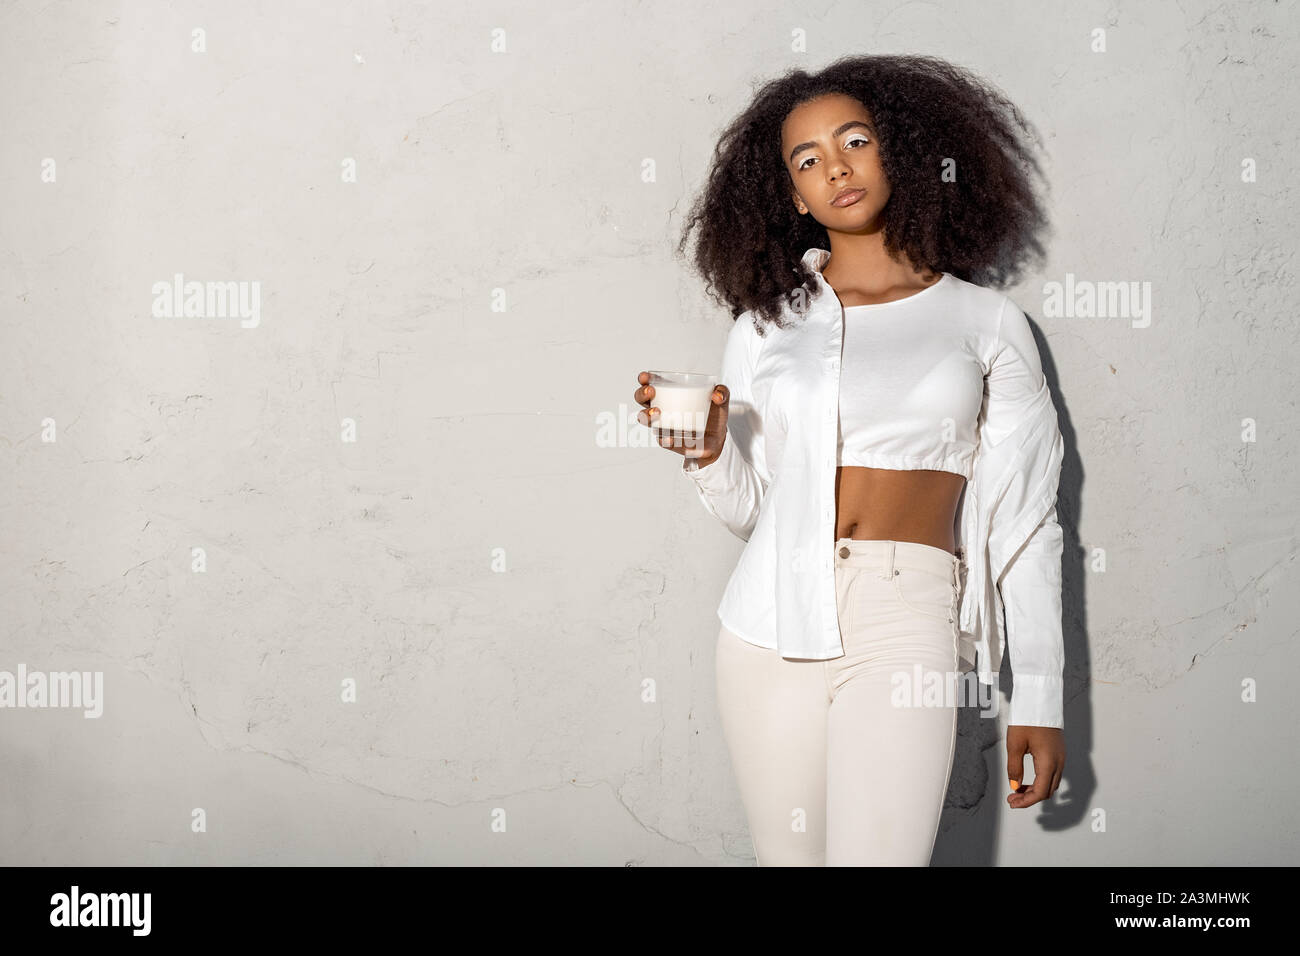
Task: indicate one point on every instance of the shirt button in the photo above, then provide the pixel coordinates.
(844, 552)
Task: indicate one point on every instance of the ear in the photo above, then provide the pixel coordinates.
(798, 203)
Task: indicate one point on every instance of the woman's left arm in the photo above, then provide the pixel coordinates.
(1031, 592)
(1031, 600)
(1030, 586)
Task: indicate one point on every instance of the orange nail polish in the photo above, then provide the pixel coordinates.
(1015, 784)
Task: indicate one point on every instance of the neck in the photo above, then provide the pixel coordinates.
(860, 260)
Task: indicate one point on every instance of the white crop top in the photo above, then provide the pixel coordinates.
(912, 385)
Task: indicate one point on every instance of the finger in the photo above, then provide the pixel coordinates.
(1036, 792)
(1046, 773)
(1015, 767)
(673, 441)
(1058, 769)
(647, 415)
(721, 397)
(644, 394)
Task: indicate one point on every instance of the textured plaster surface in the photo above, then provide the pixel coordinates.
(518, 690)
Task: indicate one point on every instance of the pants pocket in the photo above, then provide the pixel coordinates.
(926, 593)
(847, 580)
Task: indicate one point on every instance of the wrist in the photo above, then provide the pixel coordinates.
(702, 462)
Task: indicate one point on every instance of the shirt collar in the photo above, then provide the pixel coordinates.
(815, 258)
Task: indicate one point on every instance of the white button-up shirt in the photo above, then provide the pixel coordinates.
(773, 486)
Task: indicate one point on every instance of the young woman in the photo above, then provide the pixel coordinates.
(884, 441)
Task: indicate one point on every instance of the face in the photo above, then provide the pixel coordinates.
(829, 144)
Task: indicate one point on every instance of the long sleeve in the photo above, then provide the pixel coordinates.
(1030, 585)
(732, 486)
(1031, 597)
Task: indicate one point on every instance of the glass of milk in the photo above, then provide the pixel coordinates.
(683, 400)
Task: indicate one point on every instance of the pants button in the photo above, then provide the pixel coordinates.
(844, 552)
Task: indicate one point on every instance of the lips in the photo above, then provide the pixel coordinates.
(847, 197)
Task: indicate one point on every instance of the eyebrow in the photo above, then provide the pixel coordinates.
(841, 129)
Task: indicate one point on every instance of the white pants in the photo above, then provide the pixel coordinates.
(842, 762)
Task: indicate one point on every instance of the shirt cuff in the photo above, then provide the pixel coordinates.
(1037, 700)
(718, 476)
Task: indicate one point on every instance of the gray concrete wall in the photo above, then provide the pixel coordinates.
(522, 602)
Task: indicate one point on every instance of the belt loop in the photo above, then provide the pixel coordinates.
(889, 560)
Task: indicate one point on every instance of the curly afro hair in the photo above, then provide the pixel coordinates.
(985, 227)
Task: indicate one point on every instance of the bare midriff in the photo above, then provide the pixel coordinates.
(887, 505)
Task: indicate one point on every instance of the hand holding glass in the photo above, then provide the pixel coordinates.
(688, 414)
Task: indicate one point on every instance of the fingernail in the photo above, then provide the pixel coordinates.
(1015, 784)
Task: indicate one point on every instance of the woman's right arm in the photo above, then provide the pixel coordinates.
(733, 484)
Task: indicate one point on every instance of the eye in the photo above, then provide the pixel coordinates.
(854, 140)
